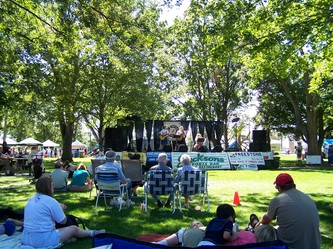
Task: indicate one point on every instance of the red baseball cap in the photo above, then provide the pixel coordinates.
(284, 179)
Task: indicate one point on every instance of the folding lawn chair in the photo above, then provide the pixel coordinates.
(108, 185)
(191, 183)
(159, 183)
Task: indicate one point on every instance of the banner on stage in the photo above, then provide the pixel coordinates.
(153, 155)
(246, 158)
(203, 160)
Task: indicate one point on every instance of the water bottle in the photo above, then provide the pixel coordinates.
(235, 227)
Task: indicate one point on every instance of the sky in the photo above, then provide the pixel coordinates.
(170, 14)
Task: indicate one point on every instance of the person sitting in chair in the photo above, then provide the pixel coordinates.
(110, 157)
(185, 161)
(161, 166)
(199, 144)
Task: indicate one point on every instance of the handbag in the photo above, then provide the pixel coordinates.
(71, 220)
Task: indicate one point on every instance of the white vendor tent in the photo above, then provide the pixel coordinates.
(49, 143)
(78, 145)
(10, 141)
(30, 142)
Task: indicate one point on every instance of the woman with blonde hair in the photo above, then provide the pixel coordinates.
(81, 181)
(41, 213)
(265, 233)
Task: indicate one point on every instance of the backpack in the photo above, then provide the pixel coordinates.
(71, 220)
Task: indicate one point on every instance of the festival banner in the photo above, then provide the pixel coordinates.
(203, 161)
(246, 158)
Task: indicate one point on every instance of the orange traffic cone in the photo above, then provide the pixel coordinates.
(236, 199)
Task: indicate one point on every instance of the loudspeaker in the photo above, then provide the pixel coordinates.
(116, 138)
(259, 147)
(167, 148)
(259, 136)
(217, 148)
(183, 148)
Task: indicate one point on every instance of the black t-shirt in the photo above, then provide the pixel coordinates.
(215, 229)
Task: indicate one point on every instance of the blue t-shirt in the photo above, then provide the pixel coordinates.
(79, 177)
(215, 229)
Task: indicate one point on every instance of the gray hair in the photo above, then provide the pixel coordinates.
(185, 159)
(162, 157)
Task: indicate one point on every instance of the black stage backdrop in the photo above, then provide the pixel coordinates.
(124, 134)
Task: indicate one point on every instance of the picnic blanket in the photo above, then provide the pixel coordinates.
(121, 242)
(14, 242)
(10, 242)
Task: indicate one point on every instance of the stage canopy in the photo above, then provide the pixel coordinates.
(30, 142)
(49, 143)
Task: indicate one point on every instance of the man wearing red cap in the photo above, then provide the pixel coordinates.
(296, 214)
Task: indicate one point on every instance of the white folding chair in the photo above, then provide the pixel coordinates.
(108, 184)
(159, 183)
(191, 183)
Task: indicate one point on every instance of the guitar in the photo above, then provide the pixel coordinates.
(180, 137)
(163, 137)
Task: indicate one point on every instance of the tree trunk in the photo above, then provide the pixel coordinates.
(309, 129)
(66, 133)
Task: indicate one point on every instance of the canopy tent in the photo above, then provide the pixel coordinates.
(30, 142)
(49, 143)
(78, 145)
(10, 142)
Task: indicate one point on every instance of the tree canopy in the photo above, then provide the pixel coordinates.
(66, 63)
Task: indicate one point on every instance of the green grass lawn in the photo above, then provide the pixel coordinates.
(255, 190)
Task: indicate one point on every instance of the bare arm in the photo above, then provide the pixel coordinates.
(264, 220)
(228, 237)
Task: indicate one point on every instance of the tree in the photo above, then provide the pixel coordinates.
(214, 75)
(290, 44)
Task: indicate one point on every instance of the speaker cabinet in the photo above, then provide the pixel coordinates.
(259, 136)
(217, 148)
(167, 148)
(183, 148)
(116, 138)
(259, 147)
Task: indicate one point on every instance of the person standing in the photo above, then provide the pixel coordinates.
(164, 135)
(111, 165)
(5, 161)
(162, 160)
(181, 139)
(185, 161)
(296, 214)
(41, 213)
(299, 149)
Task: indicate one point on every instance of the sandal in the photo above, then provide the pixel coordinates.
(253, 220)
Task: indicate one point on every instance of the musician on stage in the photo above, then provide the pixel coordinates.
(200, 144)
(164, 134)
(182, 135)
